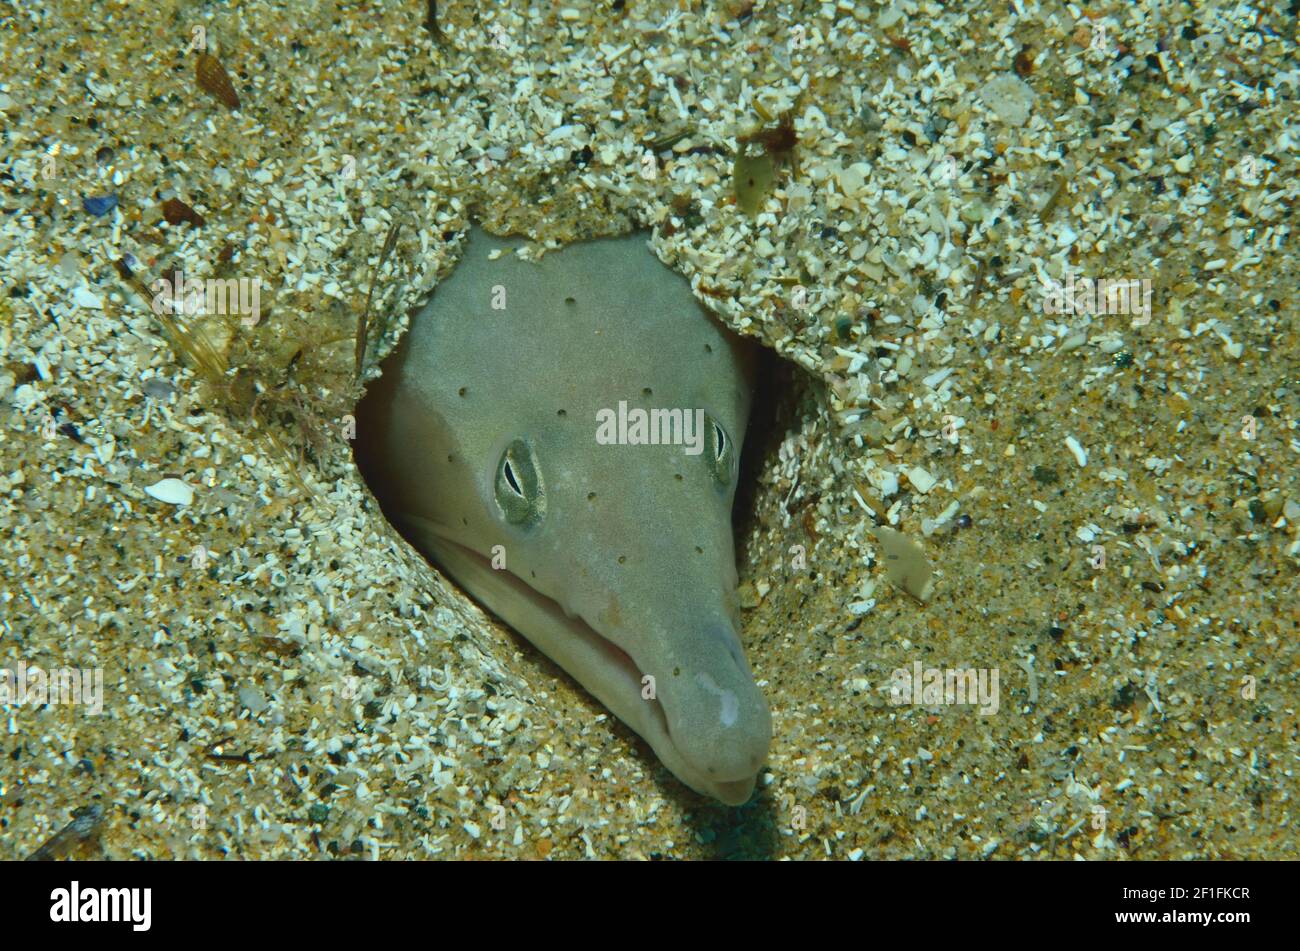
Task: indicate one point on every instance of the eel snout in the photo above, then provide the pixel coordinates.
(714, 714)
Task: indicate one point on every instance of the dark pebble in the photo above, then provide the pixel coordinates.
(99, 205)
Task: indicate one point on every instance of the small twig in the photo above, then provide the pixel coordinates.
(363, 328)
(1054, 199)
(431, 21)
(979, 279)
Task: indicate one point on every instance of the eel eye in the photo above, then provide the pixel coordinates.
(722, 455)
(519, 491)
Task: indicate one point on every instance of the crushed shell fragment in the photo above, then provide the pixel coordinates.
(173, 491)
(215, 81)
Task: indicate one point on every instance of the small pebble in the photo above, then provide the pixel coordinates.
(921, 480)
(83, 296)
(253, 699)
(158, 388)
(99, 205)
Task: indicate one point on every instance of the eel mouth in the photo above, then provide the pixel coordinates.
(620, 684)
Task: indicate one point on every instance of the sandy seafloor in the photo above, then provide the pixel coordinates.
(315, 689)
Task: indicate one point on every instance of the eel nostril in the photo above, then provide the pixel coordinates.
(726, 637)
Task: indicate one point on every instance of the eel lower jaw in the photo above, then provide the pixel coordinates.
(573, 644)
